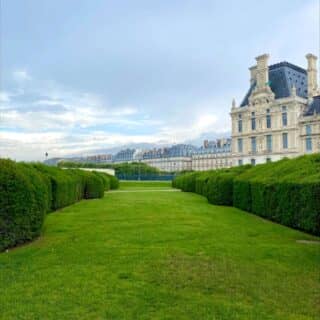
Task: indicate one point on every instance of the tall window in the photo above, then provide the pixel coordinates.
(284, 116)
(308, 139)
(240, 145)
(240, 162)
(309, 144)
(253, 162)
(308, 130)
(253, 121)
(253, 145)
(239, 123)
(285, 140)
(268, 118)
(269, 142)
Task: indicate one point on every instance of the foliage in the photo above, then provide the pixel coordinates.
(94, 184)
(24, 201)
(67, 185)
(219, 189)
(287, 191)
(114, 182)
(29, 191)
(186, 182)
(105, 179)
(201, 182)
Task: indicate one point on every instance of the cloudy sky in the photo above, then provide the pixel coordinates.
(79, 75)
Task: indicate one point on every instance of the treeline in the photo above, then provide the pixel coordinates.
(286, 191)
(121, 169)
(29, 191)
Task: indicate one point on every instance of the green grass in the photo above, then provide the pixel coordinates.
(124, 185)
(166, 255)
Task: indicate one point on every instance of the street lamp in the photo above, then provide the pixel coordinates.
(139, 167)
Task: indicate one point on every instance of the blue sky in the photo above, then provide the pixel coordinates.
(79, 75)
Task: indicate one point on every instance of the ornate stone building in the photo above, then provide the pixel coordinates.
(213, 155)
(280, 114)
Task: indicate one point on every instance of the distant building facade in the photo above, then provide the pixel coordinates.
(280, 114)
(170, 159)
(99, 158)
(213, 155)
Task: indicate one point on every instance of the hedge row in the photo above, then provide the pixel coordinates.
(287, 191)
(29, 191)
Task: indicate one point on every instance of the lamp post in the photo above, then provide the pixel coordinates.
(139, 167)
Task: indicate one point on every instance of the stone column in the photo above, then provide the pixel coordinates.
(312, 75)
(253, 74)
(262, 71)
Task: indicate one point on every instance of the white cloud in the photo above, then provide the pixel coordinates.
(21, 75)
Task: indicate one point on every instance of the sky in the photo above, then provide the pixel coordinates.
(84, 75)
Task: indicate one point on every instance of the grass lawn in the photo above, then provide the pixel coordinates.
(160, 255)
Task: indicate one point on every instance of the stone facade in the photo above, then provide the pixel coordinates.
(170, 164)
(274, 120)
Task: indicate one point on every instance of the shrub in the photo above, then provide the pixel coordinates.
(105, 180)
(67, 185)
(24, 201)
(186, 182)
(114, 182)
(220, 185)
(201, 184)
(94, 185)
(287, 191)
(29, 191)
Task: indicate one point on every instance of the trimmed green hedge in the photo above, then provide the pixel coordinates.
(114, 182)
(24, 201)
(29, 191)
(201, 184)
(67, 185)
(186, 182)
(287, 191)
(94, 184)
(219, 189)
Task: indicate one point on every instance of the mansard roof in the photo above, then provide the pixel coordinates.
(313, 107)
(282, 77)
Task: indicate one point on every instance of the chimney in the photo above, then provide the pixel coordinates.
(262, 71)
(253, 74)
(312, 75)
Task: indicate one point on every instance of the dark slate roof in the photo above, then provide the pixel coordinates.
(282, 77)
(313, 107)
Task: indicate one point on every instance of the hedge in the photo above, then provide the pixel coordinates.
(201, 182)
(29, 191)
(94, 184)
(114, 182)
(24, 201)
(287, 191)
(67, 185)
(219, 189)
(186, 182)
